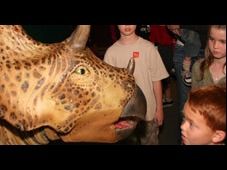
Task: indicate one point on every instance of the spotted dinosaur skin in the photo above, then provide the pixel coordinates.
(60, 91)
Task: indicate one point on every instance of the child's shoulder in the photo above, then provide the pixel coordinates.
(146, 43)
(198, 62)
(196, 68)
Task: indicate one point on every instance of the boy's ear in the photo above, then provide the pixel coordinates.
(219, 136)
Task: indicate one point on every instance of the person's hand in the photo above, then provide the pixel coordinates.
(177, 31)
(159, 117)
(186, 63)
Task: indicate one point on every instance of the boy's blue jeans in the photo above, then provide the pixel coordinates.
(182, 89)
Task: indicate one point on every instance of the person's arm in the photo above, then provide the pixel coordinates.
(159, 115)
(196, 75)
(192, 43)
(192, 46)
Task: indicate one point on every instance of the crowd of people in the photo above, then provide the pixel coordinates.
(165, 55)
(165, 50)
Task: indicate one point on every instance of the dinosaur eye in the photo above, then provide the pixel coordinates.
(81, 70)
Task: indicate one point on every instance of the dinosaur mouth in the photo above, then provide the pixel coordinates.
(125, 126)
(133, 112)
(126, 123)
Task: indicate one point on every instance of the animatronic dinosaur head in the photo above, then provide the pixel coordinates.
(63, 91)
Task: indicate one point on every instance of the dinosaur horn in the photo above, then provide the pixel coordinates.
(131, 66)
(79, 37)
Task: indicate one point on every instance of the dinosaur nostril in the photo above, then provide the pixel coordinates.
(129, 85)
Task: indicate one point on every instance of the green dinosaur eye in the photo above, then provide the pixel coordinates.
(81, 70)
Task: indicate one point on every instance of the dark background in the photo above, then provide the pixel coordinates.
(100, 36)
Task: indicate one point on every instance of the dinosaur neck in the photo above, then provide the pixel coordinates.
(12, 136)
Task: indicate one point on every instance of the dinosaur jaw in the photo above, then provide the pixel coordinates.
(125, 126)
(109, 126)
(133, 112)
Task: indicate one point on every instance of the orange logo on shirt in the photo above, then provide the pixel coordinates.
(135, 54)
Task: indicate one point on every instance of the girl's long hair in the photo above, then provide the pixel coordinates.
(209, 58)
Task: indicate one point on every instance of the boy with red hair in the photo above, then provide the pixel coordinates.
(205, 117)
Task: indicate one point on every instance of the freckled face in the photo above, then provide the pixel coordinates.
(194, 130)
(217, 42)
